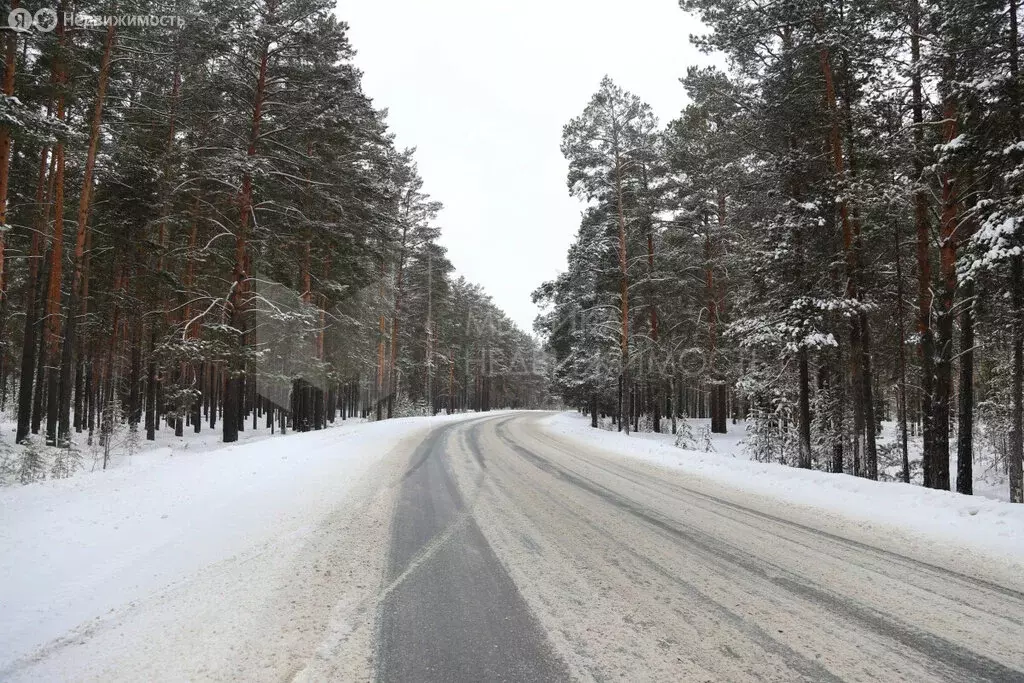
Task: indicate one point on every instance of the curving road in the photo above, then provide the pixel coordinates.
(515, 555)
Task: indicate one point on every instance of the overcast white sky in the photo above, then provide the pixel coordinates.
(482, 89)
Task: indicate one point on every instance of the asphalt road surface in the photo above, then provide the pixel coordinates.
(515, 555)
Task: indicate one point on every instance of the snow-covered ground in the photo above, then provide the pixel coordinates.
(240, 554)
(956, 523)
(989, 479)
(128, 450)
(73, 551)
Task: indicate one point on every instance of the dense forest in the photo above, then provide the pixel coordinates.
(206, 222)
(827, 238)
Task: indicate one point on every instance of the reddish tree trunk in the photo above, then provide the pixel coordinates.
(64, 432)
(44, 229)
(233, 394)
(28, 351)
(191, 330)
(5, 164)
(864, 423)
(162, 230)
(52, 316)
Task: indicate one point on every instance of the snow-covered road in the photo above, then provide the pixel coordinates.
(236, 563)
(460, 549)
(638, 573)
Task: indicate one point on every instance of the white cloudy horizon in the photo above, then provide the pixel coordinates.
(482, 91)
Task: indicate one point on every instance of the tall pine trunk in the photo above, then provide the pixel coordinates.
(805, 410)
(944, 318)
(393, 367)
(151, 417)
(1016, 455)
(623, 285)
(1016, 465)
(71, 323)
(52, 318)
(235, 382)
(718, 421)
(5, 166)
(656, 407)
(860, 368)
(451, 381)
(965, 413)
(31, 333)
(922, 230)
(901, 360)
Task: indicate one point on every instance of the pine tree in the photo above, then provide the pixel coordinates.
(606, 147)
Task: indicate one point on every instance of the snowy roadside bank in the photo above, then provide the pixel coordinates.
(926, 521)
(73, 550)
